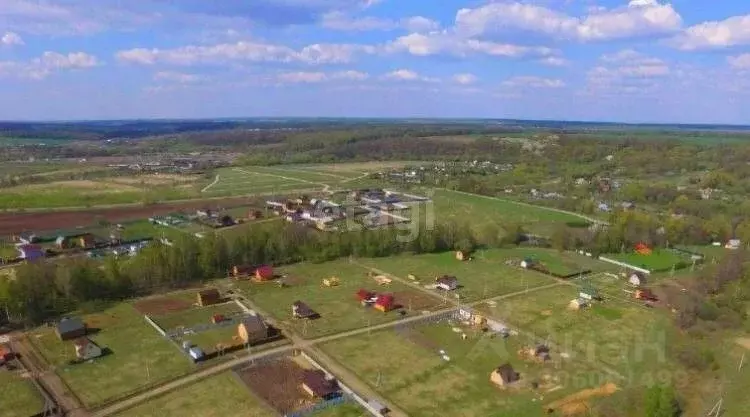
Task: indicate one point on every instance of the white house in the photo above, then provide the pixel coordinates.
(733, 244)
(447, 283)
(86, 349)
(637, 279)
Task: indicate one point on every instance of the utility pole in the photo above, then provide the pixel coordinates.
(716, 410)
(742, 362)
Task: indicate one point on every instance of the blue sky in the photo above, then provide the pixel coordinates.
(685, 61)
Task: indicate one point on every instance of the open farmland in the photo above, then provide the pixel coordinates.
(223, 395)
(338, 306)
(405, 366)
(16, 222)
(485, 276)
(483, 211)
(19, 397)
(136, 356)
(618, 332)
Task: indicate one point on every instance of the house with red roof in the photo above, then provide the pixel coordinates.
(385, 302)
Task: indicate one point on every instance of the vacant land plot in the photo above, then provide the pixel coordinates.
(252, 180)
(485, 276)
(223, 395)
(338, 306)
(424, 384)
(19, 395)
(136, 356)
(453, 205)
(166, 304)
(619, 332)
(560, 263)
(278, 383)
(196, 315)
(659, 260)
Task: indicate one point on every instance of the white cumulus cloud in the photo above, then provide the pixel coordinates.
(533, 82)
(47, 64)
(639, 18)
(11, 39)
(465, 79)
(444, 42)
(733, 31)
(244, 51)
(739, 61)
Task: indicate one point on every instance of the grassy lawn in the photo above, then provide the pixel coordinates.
(138, 356)
(562, 263)
(218, 396)
(484, 276)
(208, 340)
(19, 397)
(196, 315)
(412, 375)
(7, 251)
(619, 333)
(338, 307)
(483, 211)
(659, 260)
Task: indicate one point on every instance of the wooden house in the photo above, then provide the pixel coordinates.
(301, 310)
(86, 349)
(263, 273)
(317, 385)
(6, 353)
(504, 375)
(385, 302)
(252, 329)
(240, 271)
(70, 328)
(208, 297)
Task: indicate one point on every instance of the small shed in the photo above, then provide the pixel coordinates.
(364, 295)
(504, 375)
(70, 328)
(196, 354)
(208, 297)
(385, 302)
(447, 283)
(541, 352)
(263, 273)
(578, 303)
(637, 279)
(301, 310)
(242, 270)
(30, 252)
(252, 329)
(86, 349)
(527, 263)
(463, 255)
(6, 353)
(316, 384)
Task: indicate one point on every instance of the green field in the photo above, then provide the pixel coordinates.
(618, 332)
(196, 315)
(139, 356)
(338, 307)
(561, 263)
(7, 251)
(19, 396)
(483, 211)
(406, 368)
(222, 395)
(659, 260)
(485, 276)
(254, 180)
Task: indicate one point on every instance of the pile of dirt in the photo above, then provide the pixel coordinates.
(578, 403)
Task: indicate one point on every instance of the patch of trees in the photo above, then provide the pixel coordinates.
(47, 289)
